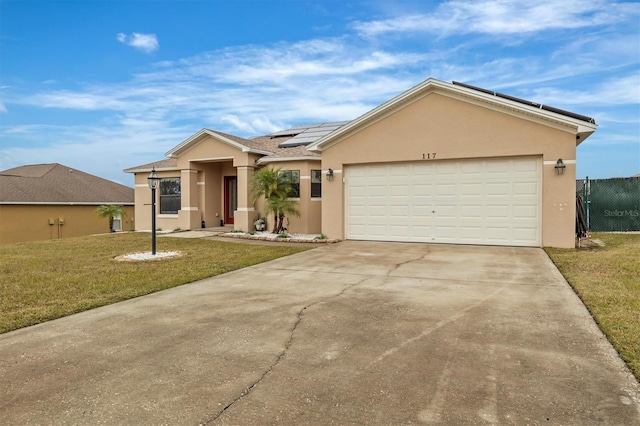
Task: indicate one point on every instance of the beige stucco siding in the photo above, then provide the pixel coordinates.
(450, 128)
(32, 222)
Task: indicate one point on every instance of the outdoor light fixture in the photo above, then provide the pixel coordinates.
(330, 175)
(560, 166)
(153, 181)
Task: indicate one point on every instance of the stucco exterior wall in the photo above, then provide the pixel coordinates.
(32, 222)
(450, 128)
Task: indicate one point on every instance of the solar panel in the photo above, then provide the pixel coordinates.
(305, 135)
(526, 102)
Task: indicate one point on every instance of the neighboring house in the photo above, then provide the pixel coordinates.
(440, 163)
(50, 201)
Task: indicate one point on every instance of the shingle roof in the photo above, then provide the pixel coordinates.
(272, 144)
(58, 184)
(168, 164)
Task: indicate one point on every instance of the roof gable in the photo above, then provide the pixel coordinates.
(583, 126)
(244, 145)
(59, 184)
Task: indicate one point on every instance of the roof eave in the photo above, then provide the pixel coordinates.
(265, 160)
(148, 169)
(256, 151)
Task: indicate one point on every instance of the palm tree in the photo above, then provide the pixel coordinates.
(275, 187)
(110, 211)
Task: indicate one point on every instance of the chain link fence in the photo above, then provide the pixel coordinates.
(611, 204)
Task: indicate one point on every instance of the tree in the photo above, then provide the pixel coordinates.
(110, 211)
(275, 187)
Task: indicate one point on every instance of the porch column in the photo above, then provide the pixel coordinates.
(189, 215)
(244, 216)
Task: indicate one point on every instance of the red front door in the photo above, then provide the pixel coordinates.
(230, 198)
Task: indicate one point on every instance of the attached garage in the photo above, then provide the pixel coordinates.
(456, 164)
(495, 201)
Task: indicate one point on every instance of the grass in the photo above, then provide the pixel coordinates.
(41, 281)
(607, 279)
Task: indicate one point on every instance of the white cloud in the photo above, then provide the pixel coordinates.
(624, 90)
(255, 126)
(145, 42)
(505, 17)
(311, 80)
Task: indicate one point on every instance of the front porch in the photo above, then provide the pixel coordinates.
(215, 193)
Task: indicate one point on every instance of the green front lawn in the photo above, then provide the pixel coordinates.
(40, 281)
(607, 279)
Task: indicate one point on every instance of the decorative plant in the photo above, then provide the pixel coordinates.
(260, 224)
(274, 185)
(110, 211)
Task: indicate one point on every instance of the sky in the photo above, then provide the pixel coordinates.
(102, 86)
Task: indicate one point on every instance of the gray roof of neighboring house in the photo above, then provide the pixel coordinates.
(58, 184)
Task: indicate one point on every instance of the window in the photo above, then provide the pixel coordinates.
(169, 196)
(316, 183)
(293, 176)
(117, 223)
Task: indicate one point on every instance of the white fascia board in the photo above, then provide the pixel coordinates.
(265, 160)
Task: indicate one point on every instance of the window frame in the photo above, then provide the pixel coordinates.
(293, 176)
(169, 198)
(316, 183)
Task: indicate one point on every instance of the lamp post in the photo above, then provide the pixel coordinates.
(153, 181)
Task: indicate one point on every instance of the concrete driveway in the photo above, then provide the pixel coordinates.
(353, 333)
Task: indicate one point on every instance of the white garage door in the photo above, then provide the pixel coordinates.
(490, 201)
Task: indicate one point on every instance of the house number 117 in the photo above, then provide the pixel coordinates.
(430, 156)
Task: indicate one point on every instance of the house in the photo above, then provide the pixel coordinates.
(439, 163)
(50, 201)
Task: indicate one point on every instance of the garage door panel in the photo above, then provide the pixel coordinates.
(446, 189)
(525, 234)
(526, 212)
(471, 211)
(422, 189)
(470, 189)
(489, 201)
(446, 168)
(496, 189)
(525, 188)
